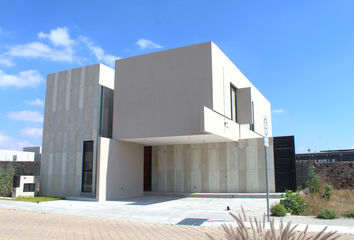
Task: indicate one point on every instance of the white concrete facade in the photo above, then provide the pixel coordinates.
(20, 156)
(179, 102)
(20, 191)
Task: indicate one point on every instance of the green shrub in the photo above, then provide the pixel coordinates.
(327, 192)
(327, 214)
(278, 210)
(293, 203)
(6, 178)
(349, 214)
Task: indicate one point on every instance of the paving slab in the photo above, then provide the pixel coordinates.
(206, 212)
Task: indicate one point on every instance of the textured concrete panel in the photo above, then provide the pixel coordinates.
(252, 160)
(170, 158)
(242, 181)
(162, 158)
(55, 92)
(262, 181)
(170, 181)
(195, 157)
(223, 181)
(205, 169)
(67, 91)
(252, 180)
(213, 159)
(178, 156)
(179, 181)
(222, 156)
(154, 168)
(214, 181)
(162, 181)
(196, 181)
(215, 167)
(57, 163)
(70, 163)
(232, 181)
(187, 167)
(61, 91)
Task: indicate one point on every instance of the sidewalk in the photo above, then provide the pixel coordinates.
(158, 217)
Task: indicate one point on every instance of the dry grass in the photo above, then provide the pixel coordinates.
(340, 201)
(257, 231)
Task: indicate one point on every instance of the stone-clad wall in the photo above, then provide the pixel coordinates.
(29, 168)
(339, 174)
(212, 167)
(72, 116)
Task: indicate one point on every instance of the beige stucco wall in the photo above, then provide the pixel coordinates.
(234, 167)
(124, 170)
(226, 73)
(161, 94)
(72, 110)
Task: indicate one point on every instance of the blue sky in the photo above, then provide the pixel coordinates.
(299, 54)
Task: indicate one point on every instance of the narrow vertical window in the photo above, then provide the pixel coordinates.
(252, 124)
(14, 158)
(87, 166)
(233, 104)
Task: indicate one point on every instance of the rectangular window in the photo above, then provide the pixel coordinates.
(28, 187)
(14, 158)
(87, 165)
(233, 103)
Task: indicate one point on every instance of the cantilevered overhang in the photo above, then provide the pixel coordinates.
(176, 140)
(213, 128)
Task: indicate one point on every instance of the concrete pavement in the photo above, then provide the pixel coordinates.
(154, 213)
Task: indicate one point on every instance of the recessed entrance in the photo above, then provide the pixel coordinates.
(147, 168)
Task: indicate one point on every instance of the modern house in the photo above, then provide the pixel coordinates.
(23, 185)
(181, 120)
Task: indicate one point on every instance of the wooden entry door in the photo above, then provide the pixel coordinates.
(147, 168)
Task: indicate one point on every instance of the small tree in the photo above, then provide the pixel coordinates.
(314, 183)
(6, 178)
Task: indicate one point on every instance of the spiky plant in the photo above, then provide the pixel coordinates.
(259, 233)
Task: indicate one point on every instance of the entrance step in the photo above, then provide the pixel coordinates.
(81, 198)
(212, 195)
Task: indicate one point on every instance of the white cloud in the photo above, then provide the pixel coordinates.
(99, 52)
(26, 116)
(278, 111)
(36, 102)
(301, 148)
(144, 43)
(60, 48)
(32, 132)
(40, 50)
(6, 61)
(9, 143)
(59, 36)
(29, 78)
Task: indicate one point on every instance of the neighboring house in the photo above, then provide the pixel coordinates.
(342, 155)
(180, 120)
(23, 185)
(12, 155)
